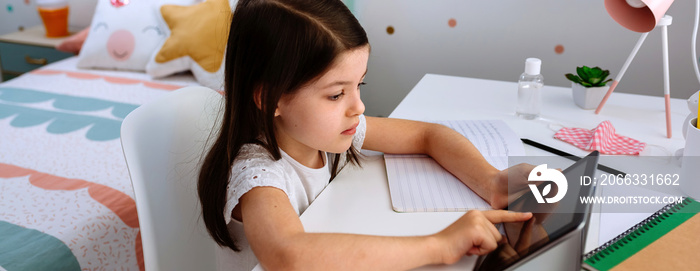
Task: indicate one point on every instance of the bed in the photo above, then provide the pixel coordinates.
(66, 201)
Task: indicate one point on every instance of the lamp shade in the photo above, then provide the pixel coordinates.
(639, 19)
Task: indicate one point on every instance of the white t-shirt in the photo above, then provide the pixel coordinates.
(254, 167)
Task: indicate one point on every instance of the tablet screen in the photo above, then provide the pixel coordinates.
(549, 223)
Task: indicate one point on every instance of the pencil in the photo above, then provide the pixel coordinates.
(568, 155)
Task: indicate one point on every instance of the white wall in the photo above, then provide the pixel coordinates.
(492, 39)
(20, 14)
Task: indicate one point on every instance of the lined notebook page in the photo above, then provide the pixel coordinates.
(419, 184)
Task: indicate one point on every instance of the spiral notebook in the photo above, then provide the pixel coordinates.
(666, 240)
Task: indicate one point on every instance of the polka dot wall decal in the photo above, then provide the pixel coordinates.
(27, 2)
(559, 49)
(9, 8)
(452, 22)
(390, 30)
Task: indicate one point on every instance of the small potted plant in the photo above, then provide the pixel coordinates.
(589, 86)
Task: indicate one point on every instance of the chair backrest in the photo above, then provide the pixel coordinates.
(163, 143)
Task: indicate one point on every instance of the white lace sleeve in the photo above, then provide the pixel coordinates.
(359, 139)
(253, 167)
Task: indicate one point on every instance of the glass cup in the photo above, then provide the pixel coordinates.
(689, 182)
(54, 14)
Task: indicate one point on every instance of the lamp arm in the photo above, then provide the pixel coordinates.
(623, 70)
(695, 38)
(667, 78)
(631, 56)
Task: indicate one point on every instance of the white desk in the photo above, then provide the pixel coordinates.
(358, 201)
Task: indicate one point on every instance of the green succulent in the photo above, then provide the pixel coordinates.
(589, 77)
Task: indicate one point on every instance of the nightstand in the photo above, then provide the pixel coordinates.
(26, 50)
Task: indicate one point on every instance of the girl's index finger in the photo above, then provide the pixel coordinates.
(499, 216)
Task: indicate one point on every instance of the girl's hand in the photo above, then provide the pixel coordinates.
(500, 196)
(474, 233)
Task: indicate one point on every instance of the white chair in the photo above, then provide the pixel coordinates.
(163, 143)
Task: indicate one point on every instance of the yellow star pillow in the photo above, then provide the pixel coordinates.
(196, 42)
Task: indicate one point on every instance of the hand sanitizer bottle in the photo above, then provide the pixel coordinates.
(529, 90)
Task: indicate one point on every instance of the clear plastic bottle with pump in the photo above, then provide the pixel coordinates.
(529, 90)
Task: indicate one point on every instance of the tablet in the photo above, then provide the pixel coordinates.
(565, 219)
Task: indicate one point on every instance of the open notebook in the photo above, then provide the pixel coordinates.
(419, 184)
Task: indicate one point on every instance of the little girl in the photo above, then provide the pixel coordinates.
(293, 119)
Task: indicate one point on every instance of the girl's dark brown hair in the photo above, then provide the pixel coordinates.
(274, 48)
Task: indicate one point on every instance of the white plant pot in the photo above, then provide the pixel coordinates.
(588, 98)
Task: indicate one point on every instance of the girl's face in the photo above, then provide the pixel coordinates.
(323, 114)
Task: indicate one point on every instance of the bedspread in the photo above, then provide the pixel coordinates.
(66, 201)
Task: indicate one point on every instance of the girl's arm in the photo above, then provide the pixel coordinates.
(449, 148)
(278, 240)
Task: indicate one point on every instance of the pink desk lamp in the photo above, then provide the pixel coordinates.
(642, 16)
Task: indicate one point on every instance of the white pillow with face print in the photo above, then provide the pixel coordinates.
(124, 33)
